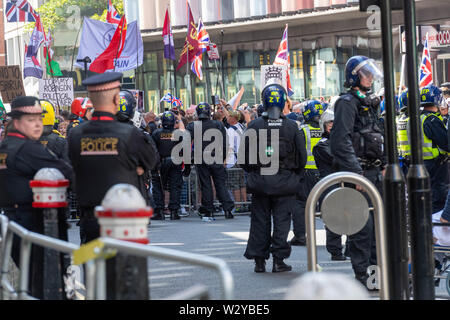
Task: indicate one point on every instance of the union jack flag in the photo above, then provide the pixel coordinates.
(168, 97)
(112, 16)
(203, 42)
(426, 76)
(283, 58)
(19, 11)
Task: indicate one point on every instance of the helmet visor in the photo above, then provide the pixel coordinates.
(369, 72)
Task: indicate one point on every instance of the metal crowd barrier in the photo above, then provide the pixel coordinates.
(191, 192)
(96, 268)
(379, 215)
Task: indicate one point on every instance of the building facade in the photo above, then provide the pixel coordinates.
(248, 33)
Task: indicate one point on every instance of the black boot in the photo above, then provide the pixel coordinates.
(228, 214)
(157, 215)
(174, 215)
(298, 241)
(260, 265)
(280, 266)
(338, 257)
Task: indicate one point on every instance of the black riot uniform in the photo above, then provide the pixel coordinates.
(356, 142)
(324, 161)
(273, 192)
(170, 173)
(55, 142)
(216, 170)
(105, 152)
(20, 159)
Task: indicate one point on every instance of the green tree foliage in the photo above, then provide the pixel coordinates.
(56, 12)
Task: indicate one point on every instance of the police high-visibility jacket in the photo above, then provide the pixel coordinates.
(430, 152)
(312, 137)
(403, 136)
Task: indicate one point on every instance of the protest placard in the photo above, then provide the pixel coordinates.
(274, 74)
(11, 84)
(59, 91)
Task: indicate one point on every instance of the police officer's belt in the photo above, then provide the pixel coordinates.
(369, 163)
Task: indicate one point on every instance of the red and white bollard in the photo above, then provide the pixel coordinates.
(49, 189)
(49, 193)
(124, 215)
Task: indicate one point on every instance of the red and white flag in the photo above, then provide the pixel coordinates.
(284, 59)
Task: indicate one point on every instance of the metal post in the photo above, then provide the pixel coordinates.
(419, 190)
(393, 182)
(52, 286)
(127, 275)
(380, 231)
(25, 257)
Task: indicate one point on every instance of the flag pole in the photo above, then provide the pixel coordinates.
(173, 61)
(188, 84)
(18, 43)
(75, 45)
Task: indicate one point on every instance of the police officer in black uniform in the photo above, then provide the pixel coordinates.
(169, 173)
(51, 138)
(273, 185)
(21, 157)
(216, 170)
(356, 142)
(105, 152)
(325, 164)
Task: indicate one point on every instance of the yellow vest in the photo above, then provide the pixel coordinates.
(403, 136)
(429, 152)
(312, 137)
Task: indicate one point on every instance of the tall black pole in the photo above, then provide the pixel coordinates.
(394, 182)
(419, 191)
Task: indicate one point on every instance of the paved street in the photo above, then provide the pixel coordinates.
(227, 239)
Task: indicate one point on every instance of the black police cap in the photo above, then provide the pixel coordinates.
(103, 82)
(25, 105)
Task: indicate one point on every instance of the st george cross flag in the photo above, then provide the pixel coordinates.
(19, 11)
(168, 97)
(283, 58)
(203, 42)
(190, 48)
(112, 16)
(169, 47)
(97, 35)
(426, 76)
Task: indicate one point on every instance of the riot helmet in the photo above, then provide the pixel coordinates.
(326, 117)
(313, 110)
(168, 120)
(430, 96)
(127, 106)
(274, 99)
(360, 72)
(203, 111)
(403, 101)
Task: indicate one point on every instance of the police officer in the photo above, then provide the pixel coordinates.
(215, 170)
(51, 138)
(404, 146)
(356, 142)
(169, 173)
(273, 184)
(81, 110)
(324, 162)
(21, 157)
(312, 133)
(105, 152)
(434, 145)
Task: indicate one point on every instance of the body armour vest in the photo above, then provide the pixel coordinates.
(287, 151)
(101, 159)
